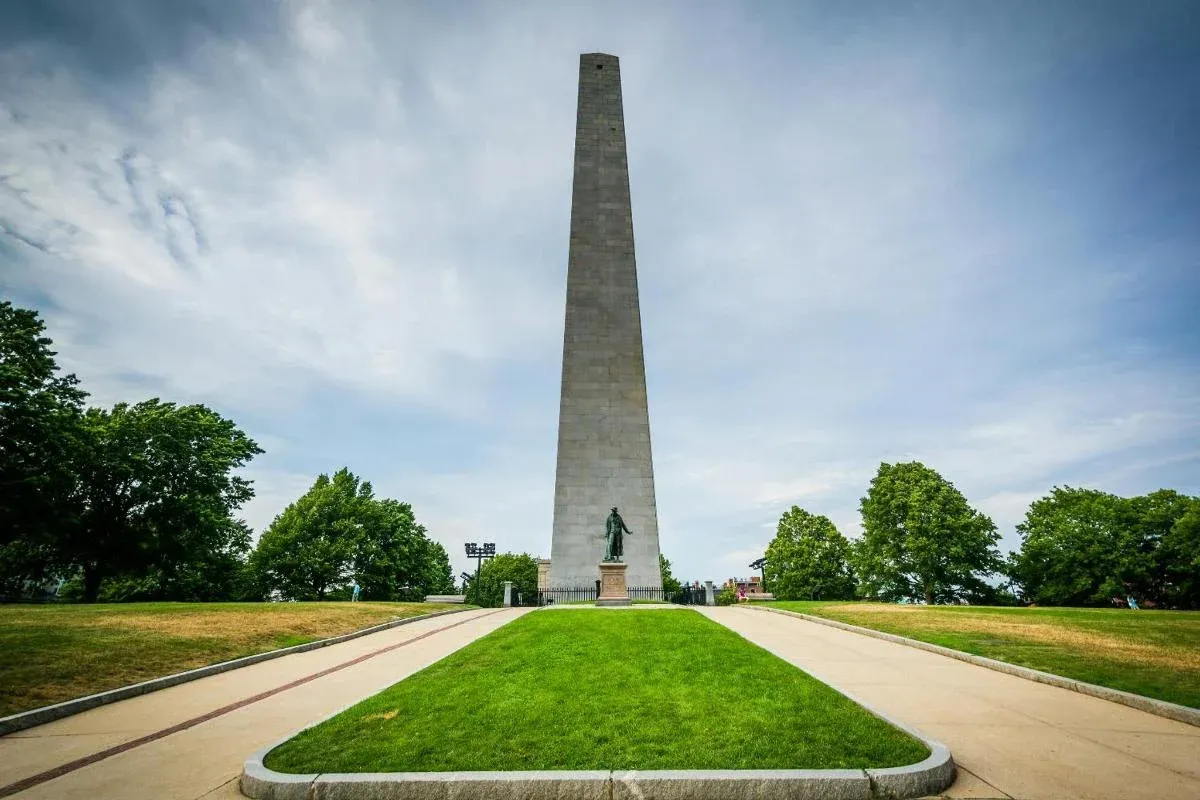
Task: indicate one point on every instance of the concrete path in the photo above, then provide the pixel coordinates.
(215, 728)
(1011, 738)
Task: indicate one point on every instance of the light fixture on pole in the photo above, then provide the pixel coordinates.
(480, 553)
(760, 565)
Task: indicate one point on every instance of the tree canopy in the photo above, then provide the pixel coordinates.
(809, 559)
(1085, 546)
(338, 533)
(921, 538)
(487, 589)
(140, 494)
(40, 414)
(1178, 558)
(156, 493)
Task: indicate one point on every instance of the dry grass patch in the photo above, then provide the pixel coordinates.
(1114, 644)
(49, 654)
(252, 624)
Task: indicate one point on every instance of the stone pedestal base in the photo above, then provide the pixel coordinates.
(613, 591)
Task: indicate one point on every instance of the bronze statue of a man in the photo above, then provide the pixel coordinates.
(614, 540)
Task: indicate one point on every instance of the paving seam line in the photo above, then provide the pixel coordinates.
(928, 777)
(40, 716)
(1161, 708)
(79, 763)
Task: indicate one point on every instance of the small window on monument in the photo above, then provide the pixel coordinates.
(599, 66)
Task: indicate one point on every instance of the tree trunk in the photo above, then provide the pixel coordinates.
(928, 596)
(91, 583)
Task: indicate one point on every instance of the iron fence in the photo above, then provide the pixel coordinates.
(589, 594)
(689, 596)
(549, 597)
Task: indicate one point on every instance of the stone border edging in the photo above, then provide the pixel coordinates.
(928, 777)
(40, 716)
(924, 778)
(1161, 708)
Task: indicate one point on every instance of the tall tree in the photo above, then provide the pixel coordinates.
(40, 413)
(396, 560)
(1077, 548)
(1178, 559)
(809, 559)
(439, 577)
(1085, 546)
(156, 492)
(1154, 516)
(339, 532)
(922, 538)
(310, 548)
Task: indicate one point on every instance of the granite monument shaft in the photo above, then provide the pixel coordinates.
(604, 455)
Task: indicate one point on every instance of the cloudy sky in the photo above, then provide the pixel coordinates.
(964, 233)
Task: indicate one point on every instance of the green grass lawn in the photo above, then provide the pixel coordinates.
(595, 689)
(53, 653)
(1151, 653)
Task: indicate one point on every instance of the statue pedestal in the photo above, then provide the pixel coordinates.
(613, 591)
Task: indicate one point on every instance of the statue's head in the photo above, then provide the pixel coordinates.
(614, 509)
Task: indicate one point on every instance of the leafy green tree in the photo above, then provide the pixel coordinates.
(1085, 546)
(310, 548)
(208, 576)
(40, 414)
(1178, 559)
(670, 585)
(141, 495)
(487, 589)
(339, 532)
(395, 558)
(921, 538)
(809, 559)
(438, 576)
(156, 493)
(1154, 516)
(1078, 547)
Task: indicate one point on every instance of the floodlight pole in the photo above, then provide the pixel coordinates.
(480, 554)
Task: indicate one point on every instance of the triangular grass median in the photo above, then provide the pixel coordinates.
(594, 689)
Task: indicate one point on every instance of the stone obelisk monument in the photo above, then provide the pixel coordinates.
(603, 420)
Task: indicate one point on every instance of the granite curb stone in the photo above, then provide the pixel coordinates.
(801, 784)
(40, 716)
(930, 776)
(1161, 708)
(927, 777)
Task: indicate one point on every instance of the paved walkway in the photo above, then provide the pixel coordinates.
(1010, 737)
(204, 758)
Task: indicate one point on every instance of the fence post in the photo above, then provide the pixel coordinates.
(508, 594)
(710, 599)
